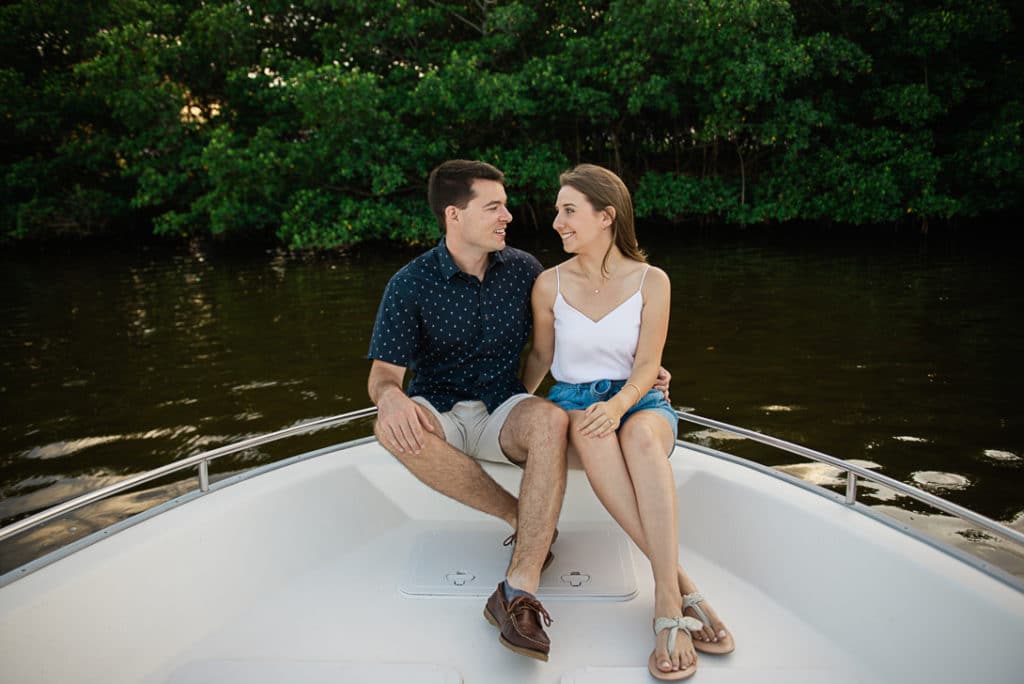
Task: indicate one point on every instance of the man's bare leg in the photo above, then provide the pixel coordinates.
(447, 470)
(534, 436)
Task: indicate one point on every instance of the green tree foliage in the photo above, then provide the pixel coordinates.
(317, 122)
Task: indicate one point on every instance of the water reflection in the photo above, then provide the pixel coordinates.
(67, 448)
(823, 474)
(999, 455)
(939, 482)
(776, 408)
(710, 436)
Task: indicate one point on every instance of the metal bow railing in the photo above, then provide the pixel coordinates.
(855, 472)
(200, 461)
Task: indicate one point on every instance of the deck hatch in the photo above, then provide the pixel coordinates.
(592, 561)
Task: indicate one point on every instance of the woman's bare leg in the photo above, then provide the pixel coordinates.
(609, 478)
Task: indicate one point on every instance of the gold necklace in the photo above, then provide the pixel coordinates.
(604, 279)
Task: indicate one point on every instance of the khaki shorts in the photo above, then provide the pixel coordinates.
(470, 429)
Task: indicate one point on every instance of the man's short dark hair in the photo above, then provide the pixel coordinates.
(451, 184)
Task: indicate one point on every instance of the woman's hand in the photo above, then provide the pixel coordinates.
(600, 419)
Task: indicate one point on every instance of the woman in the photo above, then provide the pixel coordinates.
(600, 320)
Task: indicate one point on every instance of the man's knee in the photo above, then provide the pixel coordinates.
(383, 438)
(555, 417)
(535, 426)
(386, 441)
(549, 424)
(378, 432)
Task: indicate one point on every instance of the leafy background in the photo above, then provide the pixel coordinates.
(315, 124)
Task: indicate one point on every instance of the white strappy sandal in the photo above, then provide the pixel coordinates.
(724, 644)
(687, 624)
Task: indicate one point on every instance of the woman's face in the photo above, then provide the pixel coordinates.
(577, 222)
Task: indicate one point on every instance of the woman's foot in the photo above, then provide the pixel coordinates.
(673, 658)
(713, 637)
(674, 653)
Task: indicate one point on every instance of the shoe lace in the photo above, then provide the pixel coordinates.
(522, 604)
(511, 539)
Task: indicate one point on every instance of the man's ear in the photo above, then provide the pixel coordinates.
(452, 215)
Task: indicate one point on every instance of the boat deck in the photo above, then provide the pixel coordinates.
(349, 616)
(331, 570)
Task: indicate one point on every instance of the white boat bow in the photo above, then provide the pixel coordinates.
(339, 566)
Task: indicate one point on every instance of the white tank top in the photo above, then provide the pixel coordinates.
(587, 350)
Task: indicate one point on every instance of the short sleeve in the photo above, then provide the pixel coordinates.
(395, 336)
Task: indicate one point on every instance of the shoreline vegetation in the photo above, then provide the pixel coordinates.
(313, 125)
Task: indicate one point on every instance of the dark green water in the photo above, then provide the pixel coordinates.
(903, 352)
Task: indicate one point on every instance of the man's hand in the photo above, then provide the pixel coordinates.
(401, 422)
(662, 382)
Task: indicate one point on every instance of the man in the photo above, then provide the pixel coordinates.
(458, 316)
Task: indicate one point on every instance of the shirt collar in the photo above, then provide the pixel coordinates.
(448, 266)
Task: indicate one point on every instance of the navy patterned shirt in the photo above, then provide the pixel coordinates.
(460, 336)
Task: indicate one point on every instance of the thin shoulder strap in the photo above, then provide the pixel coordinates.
(643, 277)
(558, 281)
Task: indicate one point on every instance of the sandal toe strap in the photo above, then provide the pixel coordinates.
(693, 601)
(687, 624)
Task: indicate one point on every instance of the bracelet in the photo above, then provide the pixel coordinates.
(638, 392)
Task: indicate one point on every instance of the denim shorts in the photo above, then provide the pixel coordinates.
(578, 397)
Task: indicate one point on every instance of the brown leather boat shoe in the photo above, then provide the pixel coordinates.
(520, 623)
(548, 559)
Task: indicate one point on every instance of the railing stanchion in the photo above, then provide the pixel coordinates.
(851, 487)
(204, 476)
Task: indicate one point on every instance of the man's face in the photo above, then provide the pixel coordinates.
(482, 223)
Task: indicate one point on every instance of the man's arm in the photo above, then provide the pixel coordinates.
(662, 382)
(538, 362)
(400, 420)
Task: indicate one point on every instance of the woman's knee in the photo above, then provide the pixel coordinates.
(643, 435)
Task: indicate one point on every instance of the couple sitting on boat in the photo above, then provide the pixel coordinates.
(459, 316)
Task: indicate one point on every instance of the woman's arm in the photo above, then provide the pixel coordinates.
(538, 362)
(657, 293)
